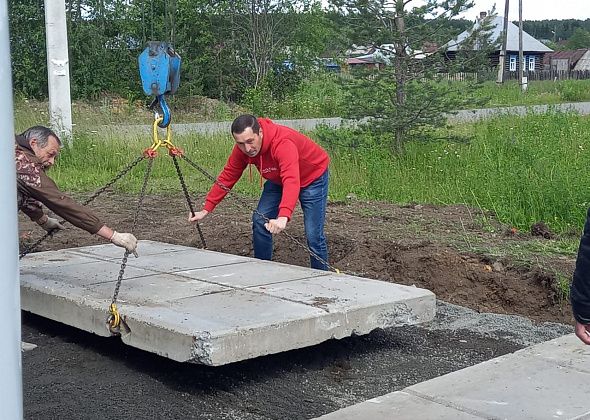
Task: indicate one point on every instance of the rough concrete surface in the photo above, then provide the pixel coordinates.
(548, 380)
(212, 308)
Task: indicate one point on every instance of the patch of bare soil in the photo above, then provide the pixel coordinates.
(437, 248)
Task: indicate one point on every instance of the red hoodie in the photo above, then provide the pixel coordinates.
(287, 158)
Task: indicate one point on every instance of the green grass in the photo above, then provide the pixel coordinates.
(523, 169)
(538, 92)
(97, 158)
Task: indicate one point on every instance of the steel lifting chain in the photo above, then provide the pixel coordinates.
(114, 319)
(263, 216)
(30, 248)
(188, 198)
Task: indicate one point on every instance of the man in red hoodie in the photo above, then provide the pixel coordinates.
(295, 168)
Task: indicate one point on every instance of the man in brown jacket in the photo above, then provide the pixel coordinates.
(35, 151)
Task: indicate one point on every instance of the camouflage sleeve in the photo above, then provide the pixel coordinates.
(29, 206)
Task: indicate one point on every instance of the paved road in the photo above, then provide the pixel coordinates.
(76, 375)
(583, 108)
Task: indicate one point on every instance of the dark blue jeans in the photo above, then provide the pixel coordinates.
(313, 200)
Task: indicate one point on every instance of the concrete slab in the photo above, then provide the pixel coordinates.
(566, 351)
(251, 273)
(205, 307)
(156, 289)
(514, 387)
(399, 405)
(53, 258)
(27, 346)
(182, 260)
(144, 248)
(547, 381)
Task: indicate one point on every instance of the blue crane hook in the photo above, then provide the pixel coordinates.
(159, 68)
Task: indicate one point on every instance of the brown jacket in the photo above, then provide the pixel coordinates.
(35, 187)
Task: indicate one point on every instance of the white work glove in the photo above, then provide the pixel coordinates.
(51, 224)
(125, 240)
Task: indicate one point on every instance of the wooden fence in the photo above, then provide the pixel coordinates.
(457, 77)
(550, 75)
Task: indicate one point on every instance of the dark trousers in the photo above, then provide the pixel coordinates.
(313, 200)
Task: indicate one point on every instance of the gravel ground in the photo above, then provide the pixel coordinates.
(77, 375)
(515, 329)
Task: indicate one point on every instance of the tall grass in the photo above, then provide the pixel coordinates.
(524, 169)
(96, 158)
(538, 92)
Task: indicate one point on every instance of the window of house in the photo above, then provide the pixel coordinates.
(532, 63)
(512, 63)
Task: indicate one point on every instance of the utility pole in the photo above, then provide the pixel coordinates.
(11, 397)
(58, 69)
(522, 64)
(502, 63)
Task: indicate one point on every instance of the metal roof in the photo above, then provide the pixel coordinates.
(572, 55)
(497, 22)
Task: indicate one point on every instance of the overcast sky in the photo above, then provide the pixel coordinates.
(535, 9)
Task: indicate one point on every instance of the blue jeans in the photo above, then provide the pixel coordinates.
(313, 200)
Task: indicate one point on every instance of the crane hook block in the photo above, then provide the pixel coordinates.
(159, 68)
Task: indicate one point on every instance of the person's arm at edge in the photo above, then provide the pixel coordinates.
(78, 215)
(580, 287)
(231, 173)
(287, 157)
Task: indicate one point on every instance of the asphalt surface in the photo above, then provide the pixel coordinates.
(76, 375)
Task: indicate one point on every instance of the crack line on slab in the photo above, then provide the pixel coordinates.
(113, 281)
(250, 290)
(206, 267)
(287, 281)
(581, 416)
(171, 273)
(286, 299)
(179, 274)
(241, 289)
(451, 405)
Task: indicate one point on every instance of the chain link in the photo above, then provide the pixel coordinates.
(115, 179)
(30, 248)
(263, 216)
(188, 199)
(133, 227)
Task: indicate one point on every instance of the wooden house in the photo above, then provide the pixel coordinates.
(533, 49)
(563, 60)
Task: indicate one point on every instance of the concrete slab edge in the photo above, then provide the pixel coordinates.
(227, 346)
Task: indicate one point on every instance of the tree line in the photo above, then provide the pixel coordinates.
(232, 49)
(555, 30)
(227, 46)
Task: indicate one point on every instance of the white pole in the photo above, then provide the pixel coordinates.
(11, 394)
(58, 70)
(522, 64)
(502, 62)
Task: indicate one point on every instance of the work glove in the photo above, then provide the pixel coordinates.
(125, 240)
(51, 224)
